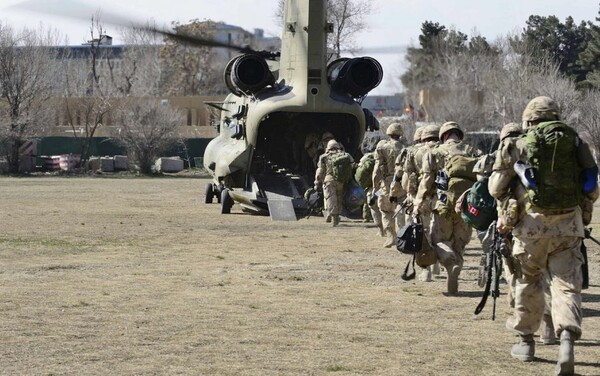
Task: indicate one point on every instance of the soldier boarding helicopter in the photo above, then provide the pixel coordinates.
(258, 157)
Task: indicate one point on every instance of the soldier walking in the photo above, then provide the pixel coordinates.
(449, 233)
(543, 211)
(334, 170)
(383, 173)
(412, 177)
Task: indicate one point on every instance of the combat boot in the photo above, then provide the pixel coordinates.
(547, 336)
(328, 218)
(336, 220)
(389, 242)
(566, 356)
(453, 272)
(390, 239)
(425, 275)
(525, 349)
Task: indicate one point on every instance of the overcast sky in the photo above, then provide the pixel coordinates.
(393, 22)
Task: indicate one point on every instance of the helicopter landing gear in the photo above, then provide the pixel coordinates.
(211, 192)
(226, 201)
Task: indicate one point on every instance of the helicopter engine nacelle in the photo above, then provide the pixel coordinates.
(248, 74)
(355, 77)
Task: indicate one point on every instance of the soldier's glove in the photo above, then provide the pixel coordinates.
(394, 199)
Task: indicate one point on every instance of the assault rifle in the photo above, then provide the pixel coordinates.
(584, 267)
(498, 251)
(405, 206)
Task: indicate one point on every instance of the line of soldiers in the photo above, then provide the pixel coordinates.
(545, 242)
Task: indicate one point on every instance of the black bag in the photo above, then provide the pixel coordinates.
(410, 237)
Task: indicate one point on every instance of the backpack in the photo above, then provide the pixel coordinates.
(340, 165)
(479, 207)
(458, 175)
(552, 152)
(364, 171)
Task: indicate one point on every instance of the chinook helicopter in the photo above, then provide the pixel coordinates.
(278, 101)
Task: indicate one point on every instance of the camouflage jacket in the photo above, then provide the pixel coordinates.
(413, 166)
(434, 161)
(385, 162)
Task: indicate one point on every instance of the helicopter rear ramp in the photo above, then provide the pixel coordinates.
(280, 207)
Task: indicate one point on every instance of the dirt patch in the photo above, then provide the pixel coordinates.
(139, 276)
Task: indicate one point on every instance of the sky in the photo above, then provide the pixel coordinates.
(391, 23)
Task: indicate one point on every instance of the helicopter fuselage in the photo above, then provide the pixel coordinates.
(269, 116)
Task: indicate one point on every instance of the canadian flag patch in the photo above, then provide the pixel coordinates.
(473, 210)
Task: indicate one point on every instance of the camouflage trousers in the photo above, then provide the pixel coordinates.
(333, 193)
(388, 209)
(374, 209)
(561, 258)
(449, 237)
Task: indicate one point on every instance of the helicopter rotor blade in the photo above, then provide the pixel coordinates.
(79, 11)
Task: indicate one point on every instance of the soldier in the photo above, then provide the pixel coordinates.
(412, 176)
(334, 170)
(449, 233)
(399, 186)
(383, 173)
(364, 177)
(547, 228)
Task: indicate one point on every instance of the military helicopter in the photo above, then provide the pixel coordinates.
(276, 102)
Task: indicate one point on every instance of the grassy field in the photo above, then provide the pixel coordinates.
(103, 276)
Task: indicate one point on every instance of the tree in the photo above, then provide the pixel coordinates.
(89, 86)
(589, 59)
(190, 70)
(96, 77)
(27, 74)
(348, 17)
(564, 42)
(147, 129)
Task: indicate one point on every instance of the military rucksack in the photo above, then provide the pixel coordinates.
(456, 177)
(364, 171)
(479, 207)
(340, 165)
(552, 153)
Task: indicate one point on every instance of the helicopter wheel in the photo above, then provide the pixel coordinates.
(226, 201)
(209, 192)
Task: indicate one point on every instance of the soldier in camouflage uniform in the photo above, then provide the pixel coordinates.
(544, 240)
(383, 173)
(398, 188)
(333, 191)
(449, 233)
(412, 176)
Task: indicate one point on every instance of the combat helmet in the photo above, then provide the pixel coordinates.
(417, 135)
(448, 126)
(327, 136)
(394, 129)
(429, 132)
(333, 145)
(541, 108)
(510, 129)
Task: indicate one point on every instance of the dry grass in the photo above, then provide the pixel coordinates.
(139, 276)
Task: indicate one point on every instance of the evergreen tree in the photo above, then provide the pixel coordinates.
(589, 59)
